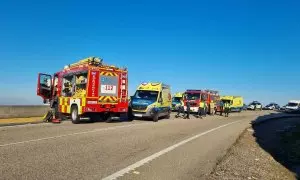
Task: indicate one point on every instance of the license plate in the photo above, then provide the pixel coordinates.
(138, 115)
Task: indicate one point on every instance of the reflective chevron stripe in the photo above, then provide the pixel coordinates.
(108, 99)
(105, 73)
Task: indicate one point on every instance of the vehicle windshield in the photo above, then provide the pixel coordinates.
(176, 99)
(226, 101)
(269, 105)
(148, 95)
(292, 104)
(192, 96)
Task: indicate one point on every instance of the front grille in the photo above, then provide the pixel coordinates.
(139, 107)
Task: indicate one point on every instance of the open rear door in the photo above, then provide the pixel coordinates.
(44, 86)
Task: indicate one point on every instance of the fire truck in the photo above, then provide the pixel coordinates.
(88, 89)
(196, 96)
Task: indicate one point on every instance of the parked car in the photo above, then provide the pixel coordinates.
(272, 106)
(293, 105)
(282, 108)
(255, 105)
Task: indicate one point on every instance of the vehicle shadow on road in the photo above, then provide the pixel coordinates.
(280, 137)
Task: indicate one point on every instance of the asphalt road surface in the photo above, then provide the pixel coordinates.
(168, 149)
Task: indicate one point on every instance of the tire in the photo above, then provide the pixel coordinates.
(74, 115)
(155, 117)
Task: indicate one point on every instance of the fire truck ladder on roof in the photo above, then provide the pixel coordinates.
(90, 60)
(212, 92)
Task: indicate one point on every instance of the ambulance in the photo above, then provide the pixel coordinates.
(236, 102)
(176, 100)
(151, 100)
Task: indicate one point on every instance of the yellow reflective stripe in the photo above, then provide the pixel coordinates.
(63, 109)
(68, 109)
(60, 101)
(83, 101)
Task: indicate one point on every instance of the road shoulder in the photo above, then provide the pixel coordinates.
(247, 160)
(20, 121)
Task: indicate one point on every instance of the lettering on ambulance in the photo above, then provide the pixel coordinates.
(93, 84)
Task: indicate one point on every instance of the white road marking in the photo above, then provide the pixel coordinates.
(73, 134)
(160, 153)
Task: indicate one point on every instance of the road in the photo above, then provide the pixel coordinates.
(168, 149)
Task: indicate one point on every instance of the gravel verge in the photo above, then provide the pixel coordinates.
(247, 160)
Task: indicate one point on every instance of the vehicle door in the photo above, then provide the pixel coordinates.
(44, 86)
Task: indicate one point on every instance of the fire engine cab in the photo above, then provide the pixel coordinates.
(196, 96)
(87, 89)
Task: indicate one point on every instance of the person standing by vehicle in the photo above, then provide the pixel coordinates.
(227, 109)
(188, 109)
(180, 109)
(221, 107)
(204, 109)
(201, 109)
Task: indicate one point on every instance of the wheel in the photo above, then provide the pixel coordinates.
(74, 115)
(155, 117)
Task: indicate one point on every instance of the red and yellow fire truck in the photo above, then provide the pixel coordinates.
(87, 89)
(196, 96)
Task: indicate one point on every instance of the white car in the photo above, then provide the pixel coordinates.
(272, 106)
(255, 105)
(293, 105)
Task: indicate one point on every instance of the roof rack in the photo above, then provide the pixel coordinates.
(93, 61)
(212, 91)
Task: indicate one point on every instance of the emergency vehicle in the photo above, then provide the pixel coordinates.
(177, 99)
(196, 96)
(87, 89)
(236, 102)
(152, 100)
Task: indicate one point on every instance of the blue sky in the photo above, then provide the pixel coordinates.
(249, 48)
